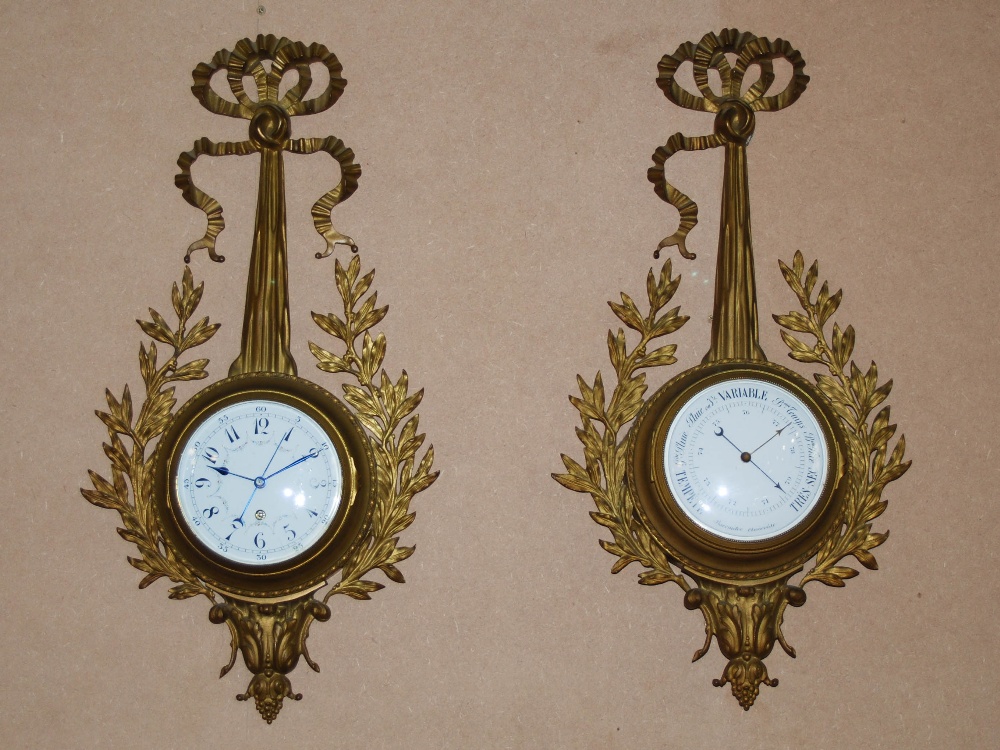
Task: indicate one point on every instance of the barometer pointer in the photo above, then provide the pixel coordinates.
(778, 486)
(746, 457)
(721, 433)
(769, 439)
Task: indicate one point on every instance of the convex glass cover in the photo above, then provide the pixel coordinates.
(258, 482)
(745, 459)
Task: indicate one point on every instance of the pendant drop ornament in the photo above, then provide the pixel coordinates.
(738, 474)
(263, 486)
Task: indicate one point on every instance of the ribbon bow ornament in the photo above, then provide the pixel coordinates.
(266, 326)
(270, 127)
(734, 121)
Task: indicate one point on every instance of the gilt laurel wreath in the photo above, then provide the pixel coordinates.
(853, 394)
(385, 408)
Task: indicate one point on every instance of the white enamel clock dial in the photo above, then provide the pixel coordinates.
(258, 482)
(746, 459)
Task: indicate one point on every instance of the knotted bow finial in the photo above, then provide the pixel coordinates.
(734, 122)
(270, 124)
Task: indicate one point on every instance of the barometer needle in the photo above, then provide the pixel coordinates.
(746, 457)
(722, 435)
(778, 486)
(778, 432)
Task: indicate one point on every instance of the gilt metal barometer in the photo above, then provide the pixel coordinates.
(264, 486)
(738, 474)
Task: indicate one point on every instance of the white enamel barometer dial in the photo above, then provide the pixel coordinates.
(258, 482)
(746, 459)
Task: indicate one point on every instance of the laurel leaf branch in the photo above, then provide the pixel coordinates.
(386, 409)
(603, 476)
(129, 492)
(854, 396)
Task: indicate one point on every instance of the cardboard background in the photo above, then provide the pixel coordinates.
(503, 200)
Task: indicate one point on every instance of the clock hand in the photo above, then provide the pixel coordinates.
(250, 500)
(769, 439)
(311, 454)
(276, 449)
(226, 472)
(259, 481)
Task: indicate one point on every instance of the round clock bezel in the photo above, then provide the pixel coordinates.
(695, 548)
(312, 567)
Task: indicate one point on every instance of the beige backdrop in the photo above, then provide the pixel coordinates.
(504, 199)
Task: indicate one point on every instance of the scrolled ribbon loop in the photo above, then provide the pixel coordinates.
(203, 91)
(761, 51)
(247, 59)
(676, 93)
(710, 54)
(301, 57)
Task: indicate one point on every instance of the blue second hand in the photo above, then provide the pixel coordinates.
(255, 487)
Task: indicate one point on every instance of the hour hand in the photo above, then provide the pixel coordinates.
(227, 473)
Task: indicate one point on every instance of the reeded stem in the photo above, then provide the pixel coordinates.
(734, 323)
(266, 325)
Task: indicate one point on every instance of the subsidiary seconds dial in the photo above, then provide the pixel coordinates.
(746, 459)
(258, 482)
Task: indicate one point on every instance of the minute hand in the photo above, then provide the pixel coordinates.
(311, 454)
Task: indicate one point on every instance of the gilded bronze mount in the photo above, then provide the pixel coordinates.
(741, 589)
(269, 609)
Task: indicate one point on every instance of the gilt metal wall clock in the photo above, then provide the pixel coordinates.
(263, 486)
(738, 474)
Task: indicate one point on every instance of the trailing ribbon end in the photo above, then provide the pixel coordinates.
(204, 244)
(334, 238)
(675, 240)
(686, 207)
